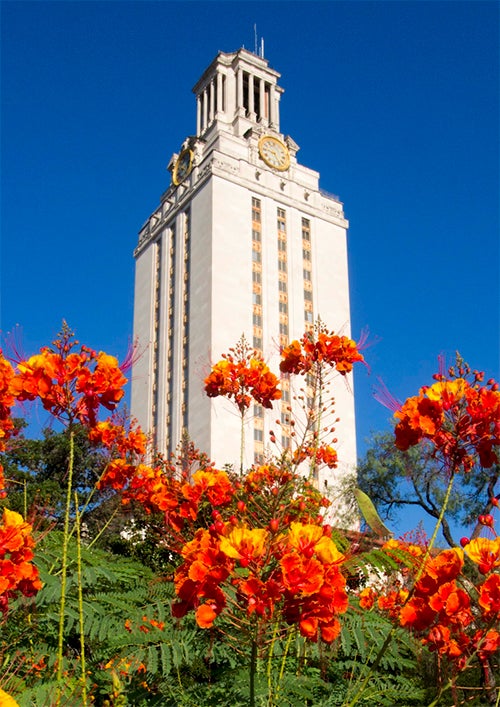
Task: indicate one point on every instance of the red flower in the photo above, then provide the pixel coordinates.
(338, 352)
(489, 596)
(17, 573)
(71, 385)
(243, 376)
(460, 418)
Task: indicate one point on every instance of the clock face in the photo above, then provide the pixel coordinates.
(183, 166)
(274, 153)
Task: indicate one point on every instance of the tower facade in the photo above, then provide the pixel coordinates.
(243, 242)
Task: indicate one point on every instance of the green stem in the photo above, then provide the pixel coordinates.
(270, 689)
(283, 663)
(80, 602)
(436, 529)
(318, 385)
(106, 525)
(242, 441)
(253, 667)
(64, 564)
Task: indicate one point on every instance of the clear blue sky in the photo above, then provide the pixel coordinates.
(396, 104)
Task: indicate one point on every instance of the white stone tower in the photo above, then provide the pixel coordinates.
(243, 242)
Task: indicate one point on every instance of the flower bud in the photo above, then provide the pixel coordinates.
(464, 541)
(274, 525)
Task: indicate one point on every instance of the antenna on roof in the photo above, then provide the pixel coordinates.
(255, 37)
(262, 47)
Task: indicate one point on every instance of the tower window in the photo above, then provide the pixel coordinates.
(306, 229)
(281, 220)
(256, 210)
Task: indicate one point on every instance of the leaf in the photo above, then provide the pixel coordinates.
(369, 513)
(166, 663)
(152, 660)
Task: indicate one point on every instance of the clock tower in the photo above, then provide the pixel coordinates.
(244, 242)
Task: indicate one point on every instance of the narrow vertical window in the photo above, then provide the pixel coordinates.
(283, 323)
(257, 316)
(185, 320)
(170, 337)
(156, 340)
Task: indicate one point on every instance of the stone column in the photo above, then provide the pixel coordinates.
(205, 109)
(212, 100)
(262, 100)
(251, 107)
(239, 91)
(198, 115)
(220, 104)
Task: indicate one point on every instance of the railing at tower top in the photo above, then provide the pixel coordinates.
(329, 195)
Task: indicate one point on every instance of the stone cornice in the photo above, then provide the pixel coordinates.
(283, 188)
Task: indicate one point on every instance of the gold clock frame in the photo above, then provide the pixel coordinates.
(271, 139)
(178, 178)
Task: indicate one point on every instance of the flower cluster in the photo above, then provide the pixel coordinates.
(6, 402)
(297, 571)
(243, 376)
(339, 352)
(71, 384)
(460, 418)
(17, 572)
(322, 454)
(438, 608)
(262, 551)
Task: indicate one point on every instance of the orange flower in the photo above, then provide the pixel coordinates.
(322, 454)
(489, 596)
(244, 544)
(439, 639)
(392, 601)
(17, 573)
(330, 631)
(460, 418)
(71, 385)
(243, 375)
(485, 553)
(309, 540)
(417, 614)
(213, 484)
(452, 603)
(118, 439)
(205, 615)
(302, 576)
(367, 598)
(338, 352)
(440, 569)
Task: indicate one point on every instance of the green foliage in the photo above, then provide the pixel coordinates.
(394, 480)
